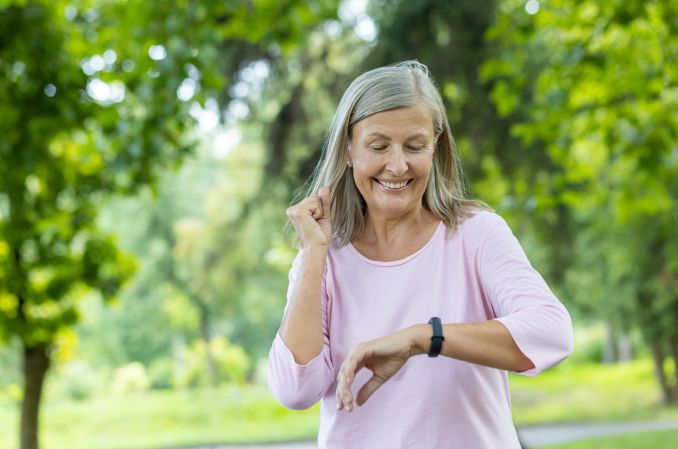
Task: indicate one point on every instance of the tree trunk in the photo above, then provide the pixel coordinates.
(658, 356)
(206, 332)
(610, 348)
(674, 353)
(625, 347)
(178, 358)
(36, 364)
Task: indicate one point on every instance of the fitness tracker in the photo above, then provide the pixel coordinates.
(437, 337)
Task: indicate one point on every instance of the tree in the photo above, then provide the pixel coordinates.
(50, 249)
(97, 99)
(599, 80)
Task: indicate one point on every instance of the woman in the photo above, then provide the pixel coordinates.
(388, 243)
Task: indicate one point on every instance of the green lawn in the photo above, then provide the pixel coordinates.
(665, 439)
(165, 419)
(572, 392)
(158, 419)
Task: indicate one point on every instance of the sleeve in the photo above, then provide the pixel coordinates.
(539, 324)
(297, 386)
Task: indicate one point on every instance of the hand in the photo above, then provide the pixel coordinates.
(383, 356)
(312, 219)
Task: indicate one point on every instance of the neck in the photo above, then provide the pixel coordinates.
(384, 231)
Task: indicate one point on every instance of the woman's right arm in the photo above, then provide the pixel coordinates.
(299, 361)
(301, 327)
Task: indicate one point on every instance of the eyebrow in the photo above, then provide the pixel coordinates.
(385, 137)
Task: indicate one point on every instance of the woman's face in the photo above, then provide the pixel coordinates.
(392, 156)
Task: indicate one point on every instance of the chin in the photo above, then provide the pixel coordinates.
(393, 211)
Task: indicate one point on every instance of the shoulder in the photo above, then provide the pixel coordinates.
(482, 217)
(482, 226)
(481, 223)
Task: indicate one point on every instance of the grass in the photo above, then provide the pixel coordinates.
(664, 439)
(589, 392)
(184, 418)
(165, 419)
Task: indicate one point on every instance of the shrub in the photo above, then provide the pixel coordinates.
(78, 380)
(161, 374)
(12, 393)
(130, 377)
(231, 360)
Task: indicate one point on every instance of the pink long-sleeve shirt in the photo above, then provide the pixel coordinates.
(477, 273)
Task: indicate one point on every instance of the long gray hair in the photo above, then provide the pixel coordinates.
(401, 85)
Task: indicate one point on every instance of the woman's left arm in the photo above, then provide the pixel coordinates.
(486, 343)
(531, 332)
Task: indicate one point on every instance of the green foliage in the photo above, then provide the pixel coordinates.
(99, 98)
(232, 363)
(88, 114)
(49, 248)
(595, 83)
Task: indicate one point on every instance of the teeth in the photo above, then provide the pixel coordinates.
(393, 185)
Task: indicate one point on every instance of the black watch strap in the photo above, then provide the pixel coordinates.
(437, 337)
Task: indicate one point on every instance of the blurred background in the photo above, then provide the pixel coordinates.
(148, 150)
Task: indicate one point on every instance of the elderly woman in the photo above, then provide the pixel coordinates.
(396, 263)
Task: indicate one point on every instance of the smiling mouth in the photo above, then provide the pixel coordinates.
(395, 186)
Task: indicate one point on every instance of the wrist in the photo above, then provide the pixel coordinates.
(437, 336)
(420, 338)
(316, 250)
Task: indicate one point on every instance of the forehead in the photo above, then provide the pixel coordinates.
(395, 124)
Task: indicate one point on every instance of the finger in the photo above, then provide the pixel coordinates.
(325, 196)
(342, 394)
(368, 389)
(339, 394)
(344, 398)
(309, 207)
(353, 363)
(345, 393)
(315, 208)
(337, 397)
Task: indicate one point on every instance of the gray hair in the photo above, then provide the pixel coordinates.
(405, 84)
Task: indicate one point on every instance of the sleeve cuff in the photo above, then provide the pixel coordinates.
(281, 349)
(523, 345)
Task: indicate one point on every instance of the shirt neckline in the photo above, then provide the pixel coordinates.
(392, 263)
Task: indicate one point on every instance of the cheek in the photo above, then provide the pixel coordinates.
(424, 167)
(362, 174)
(366, 166)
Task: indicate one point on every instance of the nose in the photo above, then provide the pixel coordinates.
(397, 161)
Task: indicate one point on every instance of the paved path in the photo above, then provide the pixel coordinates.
(532, 436)
(562, 433)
